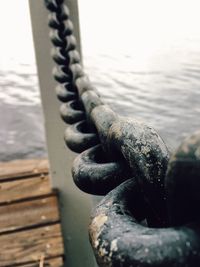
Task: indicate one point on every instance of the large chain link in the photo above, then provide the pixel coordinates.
(120, 236)
(114, 149)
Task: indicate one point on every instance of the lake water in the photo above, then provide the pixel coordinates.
(143, 58)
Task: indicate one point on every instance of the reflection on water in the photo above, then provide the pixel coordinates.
(145, 66)
(20, 85)
(165, 93)
(144, 57)
(22, 133)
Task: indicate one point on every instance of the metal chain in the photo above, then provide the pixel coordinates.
(114, 149)
(126, 147)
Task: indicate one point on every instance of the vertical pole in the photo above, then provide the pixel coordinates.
(74, 16)
(75, 206)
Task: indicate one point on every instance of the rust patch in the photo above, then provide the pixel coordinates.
(95, 228)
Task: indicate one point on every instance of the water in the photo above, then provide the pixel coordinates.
(22, 132)
(146, 64)
(165, 93)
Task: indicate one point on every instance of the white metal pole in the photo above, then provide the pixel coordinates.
(75, 206)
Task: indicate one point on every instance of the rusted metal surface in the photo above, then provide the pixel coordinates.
(95, 174)
(143, 221)
(119, 238)
(183, 182)
(116, 231)
(138, 146)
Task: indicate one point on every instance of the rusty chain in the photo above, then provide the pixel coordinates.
(134, 225)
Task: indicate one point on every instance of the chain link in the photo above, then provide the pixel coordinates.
(130, 157)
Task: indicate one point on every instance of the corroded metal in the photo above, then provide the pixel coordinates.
(65, 92)
(83, 138)
(53, 5)
(134, 143)
(94, 173)
(151, 218)
(120, 238)
(72, 112)
(183, 182)
(61, 57)
(144, 152)
(83, 84)
(116, 231)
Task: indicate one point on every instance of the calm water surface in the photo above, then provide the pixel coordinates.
(145, 66)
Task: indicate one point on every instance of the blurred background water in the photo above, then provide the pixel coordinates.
(143, 56)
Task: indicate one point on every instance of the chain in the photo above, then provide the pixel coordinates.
(130, 157)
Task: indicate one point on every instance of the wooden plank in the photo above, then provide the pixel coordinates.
(56, 262)
(22, 168)
(24, 188)
(30, 246)
(29, 213)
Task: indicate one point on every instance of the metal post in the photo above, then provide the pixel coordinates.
(75, 206)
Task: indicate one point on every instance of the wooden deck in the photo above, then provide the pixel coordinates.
(30, 232)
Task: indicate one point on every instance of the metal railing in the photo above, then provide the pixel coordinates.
(150, 218)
